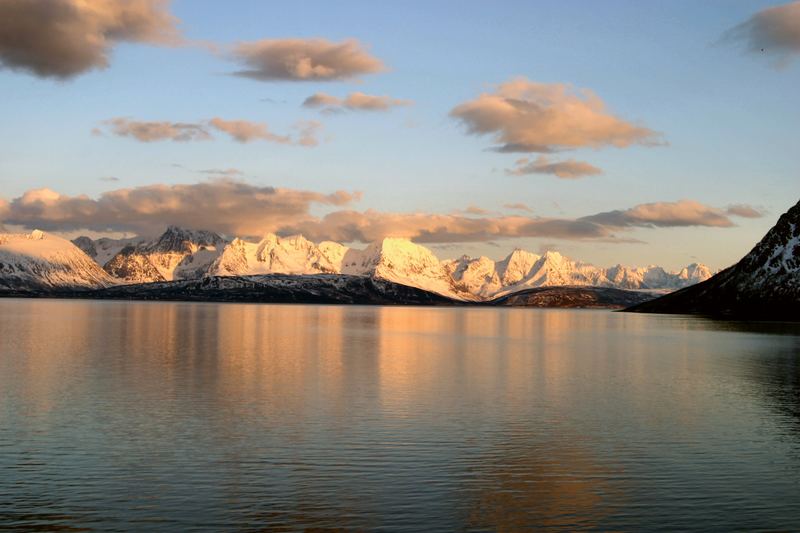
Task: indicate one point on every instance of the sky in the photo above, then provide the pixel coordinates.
(613, 131)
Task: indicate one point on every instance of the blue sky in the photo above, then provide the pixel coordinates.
(729, 118)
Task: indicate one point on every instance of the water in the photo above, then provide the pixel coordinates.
(177, 416)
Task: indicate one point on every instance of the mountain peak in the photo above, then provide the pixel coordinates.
(87, 245)
(516, 266)
(400, 247)
(552, 255)
(278, 255)
(41, 260)
(398, 243)
(778, 252)
(181, 240)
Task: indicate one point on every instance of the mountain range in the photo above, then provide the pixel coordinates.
(43, 262)
(191, 264)
(181, 254)
(765, 284)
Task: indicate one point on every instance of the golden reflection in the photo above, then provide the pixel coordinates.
(555, 484)
(45, 362)
(519, 412)
(285, 359)
(427, 354)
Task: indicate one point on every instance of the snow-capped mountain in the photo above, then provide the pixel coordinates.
(397, 260)
(515, 267)
(765, 284)
(104, 248)
(39, 260)
(693, 274)
(177, 254)
(186, 254)
(407, 263)
(524, 270)
(273, 254)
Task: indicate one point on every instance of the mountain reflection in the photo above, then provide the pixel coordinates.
(775, 375)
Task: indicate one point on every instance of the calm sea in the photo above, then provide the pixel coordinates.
(181, 416)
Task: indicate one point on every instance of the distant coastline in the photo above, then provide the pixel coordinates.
(334, 289)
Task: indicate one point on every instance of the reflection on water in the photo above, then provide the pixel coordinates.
(177, 415)
(557, 484)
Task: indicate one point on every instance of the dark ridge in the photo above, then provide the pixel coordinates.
(269, 288)
(574, 297)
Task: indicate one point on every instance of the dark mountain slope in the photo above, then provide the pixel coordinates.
(764, 285)
(573, 297)
(276, 288)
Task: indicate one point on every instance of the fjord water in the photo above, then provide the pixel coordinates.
(176, 416)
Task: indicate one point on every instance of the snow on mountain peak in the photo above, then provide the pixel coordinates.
(180, 240)
(774, 263)
(476, 276)
(278, 255)
(185, 254)
(516, 266)
(779, 250)
(695, 272)
(402, 261)
(41, 260)
(178, 253)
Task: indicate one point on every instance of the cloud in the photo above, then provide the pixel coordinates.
(109, 178)
(227, 172)
(569, 169)
(307, 132)
(744, 211)
(4, 209)
(64, 38)
(518, 207)
(547, 247)
(475, 210)
(304, 60)
(774, 31)
(356, 101)
(223, 205)
(237, 208)
(671, 214)
(527, 116)
(153, 131)
(370, 225)
(243, 131)
(317, 100)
